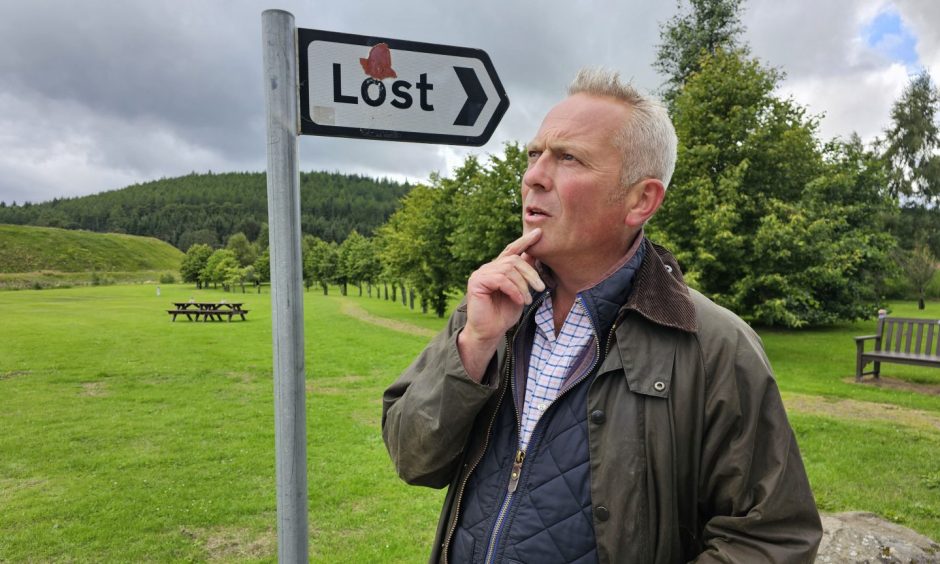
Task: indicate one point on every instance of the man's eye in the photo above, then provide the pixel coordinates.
(534, 154)
(568, 157)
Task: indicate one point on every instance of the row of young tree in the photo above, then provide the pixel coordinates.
(442, 231)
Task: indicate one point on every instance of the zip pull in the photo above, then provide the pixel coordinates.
(516, 471)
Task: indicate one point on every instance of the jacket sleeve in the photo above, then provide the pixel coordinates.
(755, 501)
(429, 411)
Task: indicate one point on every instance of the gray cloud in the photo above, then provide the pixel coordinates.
(98, 94)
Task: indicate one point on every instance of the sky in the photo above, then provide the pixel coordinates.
(101, 94)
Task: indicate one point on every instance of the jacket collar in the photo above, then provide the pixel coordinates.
(655, 289)
(660, 293)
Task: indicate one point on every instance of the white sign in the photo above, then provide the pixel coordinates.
(379, 88)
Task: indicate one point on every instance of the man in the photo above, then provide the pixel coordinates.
(584, 405)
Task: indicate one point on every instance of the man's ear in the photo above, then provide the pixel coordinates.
(644, 199)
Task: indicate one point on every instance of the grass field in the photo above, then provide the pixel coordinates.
(126, 437)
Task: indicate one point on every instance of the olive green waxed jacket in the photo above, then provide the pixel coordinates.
(692, 457)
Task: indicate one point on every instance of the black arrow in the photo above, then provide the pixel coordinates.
(476, 97)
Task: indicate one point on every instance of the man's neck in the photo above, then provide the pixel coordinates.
(577, 278)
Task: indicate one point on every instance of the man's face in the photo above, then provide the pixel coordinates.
(571, 189)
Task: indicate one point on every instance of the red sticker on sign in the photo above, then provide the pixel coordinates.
(379, 63)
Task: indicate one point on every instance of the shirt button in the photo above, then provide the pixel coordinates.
(598, 417)
(659, 386)
(601, 513)
(668, 268)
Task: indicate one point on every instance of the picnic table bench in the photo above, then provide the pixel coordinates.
(213, 311)
(900, 340)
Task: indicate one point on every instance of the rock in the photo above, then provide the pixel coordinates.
(865, 538)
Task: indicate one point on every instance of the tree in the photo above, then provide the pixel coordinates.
(262, 268)
(194, 263)
(321, 262)
(359, 260)
(487, 208)
(912, 143)
(764, 220)
(245, 252)
(351, 260)
(919, 265)
(222, 268)
(706, 26)
(415, 244)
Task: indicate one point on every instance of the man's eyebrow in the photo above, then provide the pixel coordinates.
(534, 145)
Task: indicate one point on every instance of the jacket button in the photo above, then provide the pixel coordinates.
(598, 417)
(659, 386)
(601, 513)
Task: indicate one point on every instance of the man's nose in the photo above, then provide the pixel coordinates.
(539, 174)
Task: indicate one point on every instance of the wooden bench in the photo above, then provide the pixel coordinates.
(207, 314)
(189, 313)
(217, 314)
(900, 340)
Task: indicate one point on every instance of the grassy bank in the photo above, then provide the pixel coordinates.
(128, 437)
(27, 249)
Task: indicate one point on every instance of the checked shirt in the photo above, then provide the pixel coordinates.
(552, 360)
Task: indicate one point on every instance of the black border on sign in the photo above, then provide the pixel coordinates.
(308, 127)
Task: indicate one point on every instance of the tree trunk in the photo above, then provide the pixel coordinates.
(411, 297)
(386, 290)
(326, 289)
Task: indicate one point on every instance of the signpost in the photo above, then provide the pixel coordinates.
(349, 86)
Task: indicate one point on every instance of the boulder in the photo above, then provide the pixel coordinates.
(858, 537)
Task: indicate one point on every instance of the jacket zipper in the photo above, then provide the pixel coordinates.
(489, 430)
(516, 473)
(513, 484)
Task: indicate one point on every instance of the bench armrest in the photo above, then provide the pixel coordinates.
(866, 337)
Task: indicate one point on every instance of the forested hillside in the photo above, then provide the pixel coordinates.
(32, 249)
(208, 208)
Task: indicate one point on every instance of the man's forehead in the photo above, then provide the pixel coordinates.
(579, 117)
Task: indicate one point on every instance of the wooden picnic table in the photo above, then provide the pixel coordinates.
(207, 310)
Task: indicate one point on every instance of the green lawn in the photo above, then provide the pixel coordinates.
(130, 438)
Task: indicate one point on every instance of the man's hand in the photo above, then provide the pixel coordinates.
(496, 294)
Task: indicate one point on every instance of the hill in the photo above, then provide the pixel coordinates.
(208, 208)
(32, 249)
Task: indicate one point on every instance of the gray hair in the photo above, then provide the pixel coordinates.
(648, 139)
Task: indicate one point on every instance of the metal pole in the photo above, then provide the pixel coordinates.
(290, 424)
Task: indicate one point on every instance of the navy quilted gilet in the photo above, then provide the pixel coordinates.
(548, 518)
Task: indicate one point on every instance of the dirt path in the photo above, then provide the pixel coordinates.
(352, 310)
(862, 411)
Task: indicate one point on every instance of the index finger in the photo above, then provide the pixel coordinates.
(521, 244)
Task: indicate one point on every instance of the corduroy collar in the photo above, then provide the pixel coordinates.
(660, 293)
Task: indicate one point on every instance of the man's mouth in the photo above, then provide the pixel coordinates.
(533, 212)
